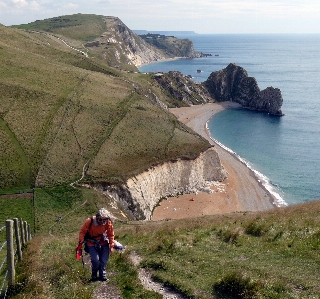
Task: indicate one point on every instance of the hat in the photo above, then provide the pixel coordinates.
(103, 213)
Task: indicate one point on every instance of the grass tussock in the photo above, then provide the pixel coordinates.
(236, 285)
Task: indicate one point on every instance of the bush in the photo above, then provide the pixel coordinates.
(235, 285)
(229, 236)
(256, 229)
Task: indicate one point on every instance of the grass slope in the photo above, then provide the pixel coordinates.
(272, 254)
(61, 111)
(84, 27)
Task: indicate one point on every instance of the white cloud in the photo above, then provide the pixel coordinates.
(198, 15)
(71, 5)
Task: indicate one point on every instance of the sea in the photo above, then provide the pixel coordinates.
(284, 152)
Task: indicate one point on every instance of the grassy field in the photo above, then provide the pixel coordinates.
(272, 254)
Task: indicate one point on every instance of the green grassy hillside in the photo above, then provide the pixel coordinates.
(173, 46)
(83, 27)
(242, 255)
(63, 113)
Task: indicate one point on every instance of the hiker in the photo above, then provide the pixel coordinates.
(98, 235)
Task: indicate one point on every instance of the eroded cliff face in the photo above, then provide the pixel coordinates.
(233, 84)
(183, 89)
(142, 193)
(122, 46)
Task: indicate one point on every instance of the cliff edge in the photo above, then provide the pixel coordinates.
(140, 194)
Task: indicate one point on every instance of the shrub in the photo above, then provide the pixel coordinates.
(229, 236)
(235, 285)
(256, 229)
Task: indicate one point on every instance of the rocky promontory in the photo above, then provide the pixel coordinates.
(233, 84)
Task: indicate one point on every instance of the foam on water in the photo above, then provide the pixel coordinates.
(264, 180)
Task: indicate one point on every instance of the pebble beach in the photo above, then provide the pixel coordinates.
(241, 191)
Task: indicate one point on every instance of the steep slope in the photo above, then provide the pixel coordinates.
(65, 115)
(172, 46)
(107, 38)
(182, 90)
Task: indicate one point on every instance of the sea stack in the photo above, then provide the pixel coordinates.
(233, 84)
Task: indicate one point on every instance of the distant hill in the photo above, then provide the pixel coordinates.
(175, 33)
(110, 38)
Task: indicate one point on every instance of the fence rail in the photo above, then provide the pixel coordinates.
(18, 233)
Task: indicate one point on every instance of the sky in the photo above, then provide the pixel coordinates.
(201, 16)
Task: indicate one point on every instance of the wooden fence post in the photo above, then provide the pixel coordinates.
(16, 230)
(29, 233)
(25, 228)
(10, 253)
(23, 240)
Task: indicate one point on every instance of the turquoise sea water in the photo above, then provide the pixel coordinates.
(285, 151)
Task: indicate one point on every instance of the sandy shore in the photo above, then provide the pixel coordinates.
(161, 60)
(241, 191)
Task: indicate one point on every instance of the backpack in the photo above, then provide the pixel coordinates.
(86, 237)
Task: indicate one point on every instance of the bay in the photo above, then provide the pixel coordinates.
(283, 150)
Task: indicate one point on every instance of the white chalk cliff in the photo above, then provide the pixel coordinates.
(142, 193)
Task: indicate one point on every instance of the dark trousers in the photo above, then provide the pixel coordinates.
(99, 258)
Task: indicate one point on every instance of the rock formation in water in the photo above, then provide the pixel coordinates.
(233, 84)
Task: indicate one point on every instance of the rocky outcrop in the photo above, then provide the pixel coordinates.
(125, 46)
(142, 193)
(172, 46)
(183, 89)
(234, 84)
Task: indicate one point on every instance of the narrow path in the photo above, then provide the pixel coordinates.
(109, 291)
(145, 277)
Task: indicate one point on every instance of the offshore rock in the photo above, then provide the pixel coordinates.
(140, 194)
(233, 84)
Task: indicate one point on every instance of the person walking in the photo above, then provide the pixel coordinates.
(98, 235)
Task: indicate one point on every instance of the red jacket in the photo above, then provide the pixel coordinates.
(97, 231)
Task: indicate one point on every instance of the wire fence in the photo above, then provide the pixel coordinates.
(14, 235)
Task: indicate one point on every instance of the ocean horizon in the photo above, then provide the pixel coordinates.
(283, 152)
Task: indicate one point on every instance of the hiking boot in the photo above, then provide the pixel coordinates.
(94, 278)
(103, 278)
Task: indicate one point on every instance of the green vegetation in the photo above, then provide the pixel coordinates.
(173, 46)
(84, 27)
(266, 255)
(62, 113)
(242, 255)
